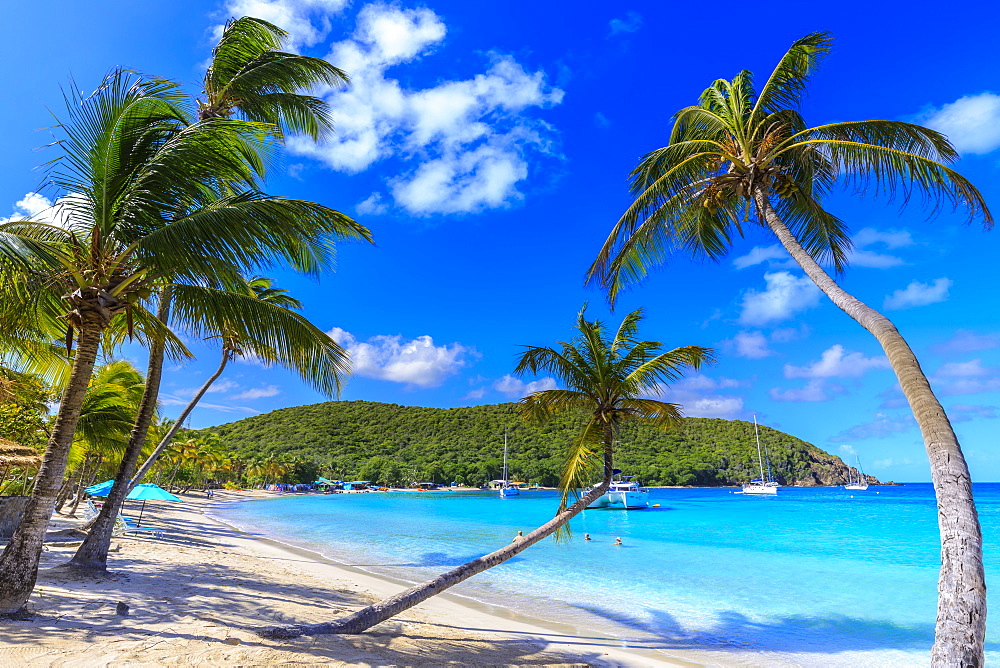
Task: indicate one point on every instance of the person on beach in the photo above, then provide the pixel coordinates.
(618, 541)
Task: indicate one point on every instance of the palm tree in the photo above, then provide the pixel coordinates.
(106, 416)
(255, 320)
(745, 156)
(250, 76)
(266, 328)
(153, 197)
(608, 382)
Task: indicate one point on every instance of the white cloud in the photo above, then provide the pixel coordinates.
(785, 295)
(848, 450)
(962, 369)
(968, 412)
(373, 206)
(760, 254)
(814, 390)
(956, 378)
(965, 341)
(298, 17)
(631, 23)
(465, 144)
(919, 294)
(38, 208)
(414, 362)
(891, 238)
(972, 123)
(517, 388)
(700, 396)
(835, 362)
(218, 386)
(259, 393)
(882, 426)
(752, 345)
(789, 334)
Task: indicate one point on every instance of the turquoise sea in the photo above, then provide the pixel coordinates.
(816, 576)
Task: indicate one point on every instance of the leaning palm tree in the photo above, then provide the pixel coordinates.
(608, 381)
(153, 198)
(744, 159)
(249, 76)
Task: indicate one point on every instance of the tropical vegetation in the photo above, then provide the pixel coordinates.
(397, 445)
(744, 158)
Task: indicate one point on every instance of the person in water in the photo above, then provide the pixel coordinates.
(519, 536)
(586, 536)
(618, 541)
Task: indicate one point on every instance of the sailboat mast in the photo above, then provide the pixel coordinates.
(505, 455)
(760, 456)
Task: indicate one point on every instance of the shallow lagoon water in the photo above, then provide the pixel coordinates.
(814, 576)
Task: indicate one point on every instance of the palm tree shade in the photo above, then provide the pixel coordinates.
(743, 159)
(608, 381)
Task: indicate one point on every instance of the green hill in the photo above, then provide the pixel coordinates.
(388, 443)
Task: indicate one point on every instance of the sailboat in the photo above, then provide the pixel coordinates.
(763, 484)
(861, 484)
(507, 489)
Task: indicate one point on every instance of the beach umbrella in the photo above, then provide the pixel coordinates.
(100, 489)
(147, 491)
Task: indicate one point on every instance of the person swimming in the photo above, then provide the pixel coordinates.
(618, 541)
(586, 536)
(519, 536)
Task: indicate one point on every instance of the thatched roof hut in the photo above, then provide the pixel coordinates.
(21, 456)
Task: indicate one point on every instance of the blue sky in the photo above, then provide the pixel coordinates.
(487, 146)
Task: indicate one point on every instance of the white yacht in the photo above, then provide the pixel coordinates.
(763, 484)
(625, 494)
(507, 488)
(859, 485)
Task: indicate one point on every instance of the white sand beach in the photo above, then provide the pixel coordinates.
(194, 595)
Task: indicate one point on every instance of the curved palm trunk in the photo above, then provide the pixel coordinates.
(93, 553)
(365, 618)
(148, 464)
(961, 617)
(19, 562)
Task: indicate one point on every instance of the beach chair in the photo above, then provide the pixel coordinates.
(123, 528)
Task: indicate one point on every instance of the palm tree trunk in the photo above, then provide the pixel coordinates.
(19, 562)
(961, 616)
(368, 617)
(148, 464)
(93, 553)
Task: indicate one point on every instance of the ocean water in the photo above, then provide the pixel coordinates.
(815, 576)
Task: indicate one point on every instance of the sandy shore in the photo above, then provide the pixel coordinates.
(194, 593)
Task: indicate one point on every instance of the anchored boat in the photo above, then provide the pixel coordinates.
(763, 484)
(623, 493)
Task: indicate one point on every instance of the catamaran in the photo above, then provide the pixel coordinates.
(763, 484)
(623, 493)
(507, 489)
(861, 484)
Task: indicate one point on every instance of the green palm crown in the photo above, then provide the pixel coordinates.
(739, 150)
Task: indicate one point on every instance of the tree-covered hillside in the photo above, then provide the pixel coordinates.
(391, 444)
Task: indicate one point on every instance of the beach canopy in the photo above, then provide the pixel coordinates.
(151, 492)
(324, 481)
(100, 489)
